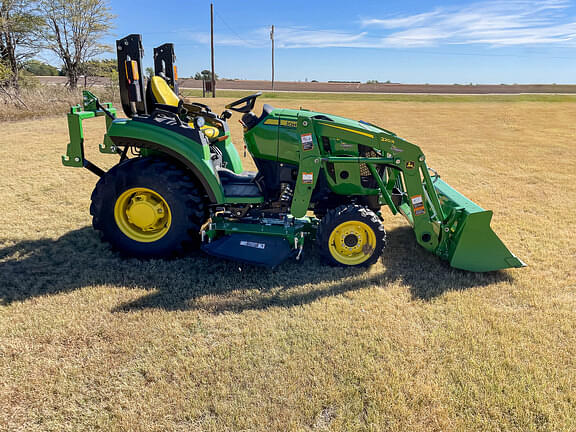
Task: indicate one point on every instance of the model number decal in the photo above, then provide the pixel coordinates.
(283, 123)
(288, 123)
(254, 245)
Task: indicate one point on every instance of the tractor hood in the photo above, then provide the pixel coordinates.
(336, 120)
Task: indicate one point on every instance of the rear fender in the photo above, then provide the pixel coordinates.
(192, 154)
(230, 155)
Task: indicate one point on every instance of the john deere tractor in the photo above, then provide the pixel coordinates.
(179, 183)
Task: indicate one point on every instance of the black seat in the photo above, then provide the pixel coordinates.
(159, 95)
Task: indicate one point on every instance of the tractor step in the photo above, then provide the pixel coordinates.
(239, 185)
(261, 250)
(242, 190)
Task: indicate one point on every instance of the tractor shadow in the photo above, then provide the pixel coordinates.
(78, 259)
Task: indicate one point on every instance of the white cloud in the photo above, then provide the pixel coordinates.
(407, 21)
(204, 39)
(496, 23)
(305, 38)
(491, 23)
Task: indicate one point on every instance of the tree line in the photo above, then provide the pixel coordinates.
(71, 29)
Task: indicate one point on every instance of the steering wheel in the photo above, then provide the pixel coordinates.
(246, 103)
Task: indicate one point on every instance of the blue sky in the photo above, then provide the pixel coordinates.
(410, 41)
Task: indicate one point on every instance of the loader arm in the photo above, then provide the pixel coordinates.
(408, 169)
(445, 222)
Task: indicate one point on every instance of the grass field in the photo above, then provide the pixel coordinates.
(375, 97)
(89, 341)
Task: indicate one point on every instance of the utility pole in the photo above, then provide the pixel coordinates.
(212, 48)
(272, 39)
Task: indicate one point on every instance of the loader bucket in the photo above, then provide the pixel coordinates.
(472, 246)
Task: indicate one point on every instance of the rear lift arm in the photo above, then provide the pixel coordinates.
(91, 107)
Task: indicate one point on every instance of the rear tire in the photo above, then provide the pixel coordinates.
(148, 208)
(351, 236)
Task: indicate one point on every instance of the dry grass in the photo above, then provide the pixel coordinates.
(305, 97)
(89, 341)
(38, 101)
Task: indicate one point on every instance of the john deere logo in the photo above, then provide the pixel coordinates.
(410, 165)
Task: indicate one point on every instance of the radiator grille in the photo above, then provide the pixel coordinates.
(366, 177)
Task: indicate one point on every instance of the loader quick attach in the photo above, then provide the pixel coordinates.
(180, 183)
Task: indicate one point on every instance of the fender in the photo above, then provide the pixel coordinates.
(193, 154)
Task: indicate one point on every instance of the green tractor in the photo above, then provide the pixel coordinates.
(180, 183)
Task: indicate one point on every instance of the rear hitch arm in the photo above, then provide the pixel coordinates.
(91, 107)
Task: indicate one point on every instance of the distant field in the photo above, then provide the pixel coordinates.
(361, 97)
(90, 341)
(342, 87)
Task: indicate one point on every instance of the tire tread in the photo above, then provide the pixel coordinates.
(343, 213)
(180, 184)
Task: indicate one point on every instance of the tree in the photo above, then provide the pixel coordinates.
(94, 69)
(205, 75)
(5, 74)
(19, 21)
(74, 29)
(99, 68)
(36, 67)
(149, 72)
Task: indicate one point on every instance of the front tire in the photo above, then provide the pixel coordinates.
(351, 236)
(148, 208)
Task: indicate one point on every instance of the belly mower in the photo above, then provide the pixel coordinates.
(179, 183)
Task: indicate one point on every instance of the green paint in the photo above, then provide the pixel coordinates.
(196, 153)
(343, 150)
(294, 230)
(230, 155)
(75, 150)
(469, 242)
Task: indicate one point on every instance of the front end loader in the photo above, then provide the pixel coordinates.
(180, 184)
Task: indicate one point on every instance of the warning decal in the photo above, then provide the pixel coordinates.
(307, 141)
(307, 178)
(418, 205)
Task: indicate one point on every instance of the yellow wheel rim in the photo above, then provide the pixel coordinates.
(352, 242)
(142, 215)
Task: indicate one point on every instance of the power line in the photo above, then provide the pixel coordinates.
(406, 51)
(234, 32)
